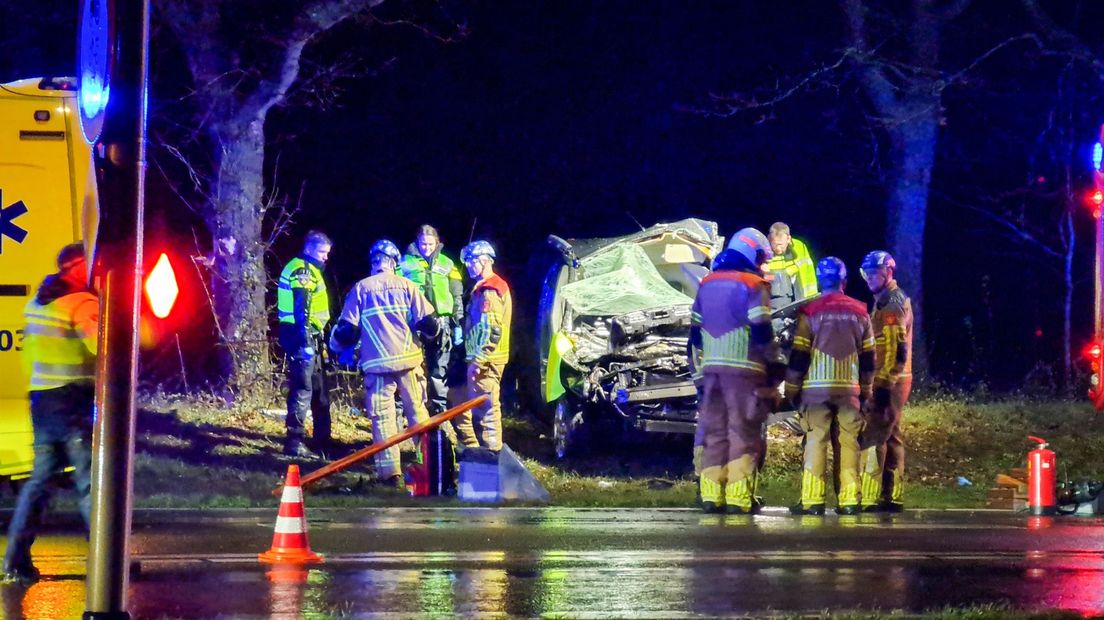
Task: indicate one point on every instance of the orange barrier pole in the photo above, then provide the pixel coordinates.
(371, 450)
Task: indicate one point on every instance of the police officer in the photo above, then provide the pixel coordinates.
(303, 309)
(487, 341)
(730, 326)
(790, 271)
(383, 311)
(830, 371)
(883, 446)
(59, 354)
(439, 279)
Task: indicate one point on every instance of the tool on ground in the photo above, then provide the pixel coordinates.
(289, 540)
(360, 455)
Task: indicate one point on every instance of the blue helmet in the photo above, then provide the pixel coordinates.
(753, 244)
(878, 259)
(830, 272)
(388, 249)
(475, 249)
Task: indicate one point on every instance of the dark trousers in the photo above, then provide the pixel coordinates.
(437, 355)
(62, 419)
(308, 390)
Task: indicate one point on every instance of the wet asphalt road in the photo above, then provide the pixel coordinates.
(594, 563)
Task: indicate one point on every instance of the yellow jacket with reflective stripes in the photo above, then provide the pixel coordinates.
(487, 323)
(728, 303)
(892, 321)
(792, 275)
(60, 341)
(304, 276)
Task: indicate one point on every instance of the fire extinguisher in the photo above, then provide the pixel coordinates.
(1042, 477)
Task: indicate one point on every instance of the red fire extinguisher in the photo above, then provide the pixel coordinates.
(1042, 479)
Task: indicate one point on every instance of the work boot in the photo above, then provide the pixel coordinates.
(816, 510)
(884, 507)
(296, 448)
(712, 508)
(394, 481)
(739, 510)
(757, 504)
(847, 511)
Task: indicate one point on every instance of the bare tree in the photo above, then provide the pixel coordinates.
(246, 58)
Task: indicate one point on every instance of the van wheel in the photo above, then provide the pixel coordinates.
(568, 429)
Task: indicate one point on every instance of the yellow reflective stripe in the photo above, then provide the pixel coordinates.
(801, 342)
(695, 318)
(868, 344)
(871, 486)
(48, 331)
(382, 361)
(758, 312)
(813, 488)
(827, 370)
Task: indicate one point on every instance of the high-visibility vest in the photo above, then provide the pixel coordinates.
(302, 274)
(797, 269)
(56, 351)
(416, 269)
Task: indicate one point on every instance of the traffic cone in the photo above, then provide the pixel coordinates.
(289, 541)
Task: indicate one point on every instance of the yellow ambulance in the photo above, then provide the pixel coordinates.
(47, 200)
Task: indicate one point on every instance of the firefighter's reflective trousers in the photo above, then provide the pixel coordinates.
(883, 449)
(731, 421)
(481, 427)
(817, 418)
(379, 394)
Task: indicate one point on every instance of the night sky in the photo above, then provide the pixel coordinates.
(574, 118)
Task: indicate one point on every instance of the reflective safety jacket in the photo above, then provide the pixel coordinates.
(892, 321)
(487, 324)
(442, 283)
(833, 350)
(387, 308)
(59, 346)
(727, 305)
(302, 302)
(792, 275)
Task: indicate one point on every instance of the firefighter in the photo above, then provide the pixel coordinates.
(303, 309)
(730, 326)
(487, 342)
(830, 373)
(384, 311)
(59, 355)
(883, 447)
(790, 271)
(426, 265)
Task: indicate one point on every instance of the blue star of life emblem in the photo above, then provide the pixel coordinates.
(8, 227)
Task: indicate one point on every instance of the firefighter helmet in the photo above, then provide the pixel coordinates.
(878, 259)
(830, 272)
(387, 248)
(752, 244)
(475, 249)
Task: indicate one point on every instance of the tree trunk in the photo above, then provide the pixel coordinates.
(913, 142)
(239, 279)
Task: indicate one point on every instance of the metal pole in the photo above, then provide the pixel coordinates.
(1098, 280)
(120, 245)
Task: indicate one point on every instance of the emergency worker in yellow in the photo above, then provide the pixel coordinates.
(830, 373)
(303, 310)
(883, 446)
(790, 271)
(439, 279)
(59, 356)
(487, 341)
(730, 326)
(385, 310)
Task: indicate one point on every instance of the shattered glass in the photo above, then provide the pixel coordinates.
(618, 281)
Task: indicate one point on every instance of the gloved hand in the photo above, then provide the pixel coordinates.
(457, 336)
(305, 354)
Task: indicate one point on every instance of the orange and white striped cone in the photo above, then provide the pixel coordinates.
(289, 541)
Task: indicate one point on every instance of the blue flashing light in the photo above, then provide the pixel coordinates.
(1098, 156)
(622, 396)
(94, 95)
